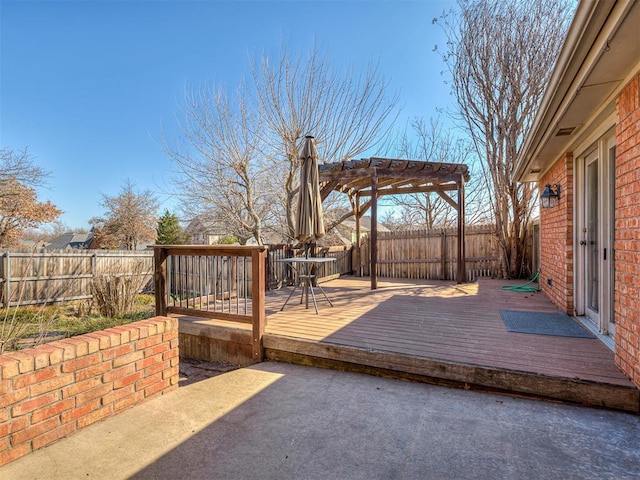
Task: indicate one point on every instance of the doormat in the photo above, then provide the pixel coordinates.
(541, 323)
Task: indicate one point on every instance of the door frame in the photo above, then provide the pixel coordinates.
(604, 151)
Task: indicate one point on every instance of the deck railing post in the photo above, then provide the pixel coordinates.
(258, 261)
(160, 279)
(268, 270)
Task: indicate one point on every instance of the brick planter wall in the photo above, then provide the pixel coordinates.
(556, 237)
(50, 391)
(627, 232)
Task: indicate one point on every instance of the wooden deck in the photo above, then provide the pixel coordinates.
(444, 333)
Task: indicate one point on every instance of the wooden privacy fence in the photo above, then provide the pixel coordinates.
(29, 278)
(54, 276)
(432, 255)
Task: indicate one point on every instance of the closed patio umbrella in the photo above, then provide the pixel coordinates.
(310, 224)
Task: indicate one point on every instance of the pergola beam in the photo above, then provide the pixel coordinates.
(448, 199)
(327, 188)
(413, 189)
(368, 172)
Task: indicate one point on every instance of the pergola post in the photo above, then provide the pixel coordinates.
(374, 230)
(358, 255)
(461, 276)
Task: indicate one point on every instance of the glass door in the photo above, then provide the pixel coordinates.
(596, 221)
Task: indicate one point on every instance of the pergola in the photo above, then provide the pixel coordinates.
(368, 179)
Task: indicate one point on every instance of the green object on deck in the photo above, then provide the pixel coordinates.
(526, 287)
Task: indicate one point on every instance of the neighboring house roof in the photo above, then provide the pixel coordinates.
(201, 230)
(71, 240)
(336, 238)
(598, 59)
(200, 225)
(365, 224)
(345, 232)
(268, 238)
(31, 244)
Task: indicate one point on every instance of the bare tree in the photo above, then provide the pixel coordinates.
(222, 174)
(238, 155)
(500, 56)
(18, 165)
(400, 218)
(295, 96)
(130, 217)
(431, 141)
(49, 232)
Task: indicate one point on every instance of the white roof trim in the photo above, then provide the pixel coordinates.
(545, 121)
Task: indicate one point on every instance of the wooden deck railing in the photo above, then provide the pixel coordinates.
(217, 282)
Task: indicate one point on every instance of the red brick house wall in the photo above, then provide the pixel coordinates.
(50, 391)
(556, 237)
(627, 232)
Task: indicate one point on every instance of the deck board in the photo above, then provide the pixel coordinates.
(442, 321)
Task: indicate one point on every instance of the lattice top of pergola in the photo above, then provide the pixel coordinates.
(395, 176)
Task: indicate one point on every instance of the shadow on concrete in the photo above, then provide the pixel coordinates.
(314, 424)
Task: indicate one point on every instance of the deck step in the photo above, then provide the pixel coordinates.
(474, 377)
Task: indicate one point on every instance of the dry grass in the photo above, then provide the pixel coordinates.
(22, 327)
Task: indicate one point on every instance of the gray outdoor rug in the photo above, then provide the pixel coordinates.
(558, 323)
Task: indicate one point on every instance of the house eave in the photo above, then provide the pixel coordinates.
(600, 52)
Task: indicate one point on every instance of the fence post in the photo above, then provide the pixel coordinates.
(7, 279)
(443, 253)
(288, 269)
(94, 270)
(258, 259)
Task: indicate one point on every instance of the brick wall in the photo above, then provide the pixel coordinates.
(556, 237)
(627, 232)
(50, 391)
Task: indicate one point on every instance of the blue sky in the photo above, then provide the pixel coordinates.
(89, 87)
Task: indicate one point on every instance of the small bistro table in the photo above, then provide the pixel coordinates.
(306, 263)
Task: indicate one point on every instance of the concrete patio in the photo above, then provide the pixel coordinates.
(280, 421)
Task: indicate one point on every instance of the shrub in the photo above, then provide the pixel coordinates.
(114, 293)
